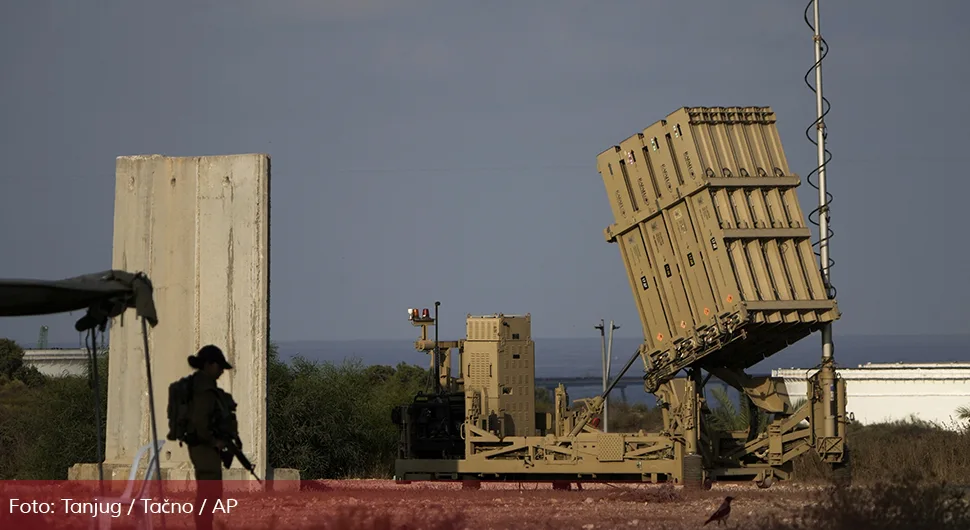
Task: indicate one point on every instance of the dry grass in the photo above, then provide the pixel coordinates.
(908, 503)
(914, 449)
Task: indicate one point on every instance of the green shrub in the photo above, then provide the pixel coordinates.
(46, 424)
(334, 421)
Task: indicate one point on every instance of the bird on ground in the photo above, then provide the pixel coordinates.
(722, 513)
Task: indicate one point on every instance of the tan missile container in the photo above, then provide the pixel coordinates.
(500, 364)
(716, 246)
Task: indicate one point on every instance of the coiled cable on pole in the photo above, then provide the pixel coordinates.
(823, 209)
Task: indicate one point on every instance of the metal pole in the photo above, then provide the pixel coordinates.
(609, 365)
(828, 346)
(96, 383)
(820, 154)
(602, 328)
(437, 360)
(151, 407)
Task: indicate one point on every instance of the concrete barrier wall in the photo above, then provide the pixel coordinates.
(199, 227)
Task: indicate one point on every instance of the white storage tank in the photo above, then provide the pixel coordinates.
(887, 392)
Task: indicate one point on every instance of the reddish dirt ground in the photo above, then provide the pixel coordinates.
(359, 504)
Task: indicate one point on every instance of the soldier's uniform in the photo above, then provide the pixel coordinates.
(208, 415)
(204, 454)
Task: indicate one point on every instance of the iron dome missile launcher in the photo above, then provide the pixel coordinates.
(719, 258)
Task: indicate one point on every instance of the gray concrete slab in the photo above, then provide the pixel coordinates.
(199, 227)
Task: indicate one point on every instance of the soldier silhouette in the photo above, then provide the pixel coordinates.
(206, 447)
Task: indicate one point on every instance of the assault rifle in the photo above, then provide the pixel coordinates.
(227, 430)
(233, 449)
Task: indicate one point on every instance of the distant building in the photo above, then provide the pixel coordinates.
(59, 363)
(887, 392)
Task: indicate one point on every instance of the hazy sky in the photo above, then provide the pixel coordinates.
(435, 150)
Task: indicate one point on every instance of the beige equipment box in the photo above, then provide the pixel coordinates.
(499, 358)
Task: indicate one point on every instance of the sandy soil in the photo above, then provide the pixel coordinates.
(385, 504)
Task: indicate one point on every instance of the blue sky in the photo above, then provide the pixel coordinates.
(446, 150)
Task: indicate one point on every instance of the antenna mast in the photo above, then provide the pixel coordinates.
(828, 347)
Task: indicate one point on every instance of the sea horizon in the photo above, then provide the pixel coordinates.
(582, 357)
